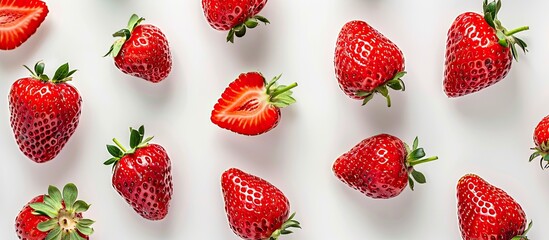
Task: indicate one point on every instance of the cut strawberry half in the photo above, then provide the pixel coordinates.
(19, 20)
(250, 105)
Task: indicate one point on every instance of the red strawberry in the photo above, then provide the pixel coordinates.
(234, 15)
(19, 20)
(255, 208)
(366, 62)
(54, 216)
(541, 139)
(487, 212)
(142, 175)
(479, 51)
(143, 51)
(250, 105)
(381, 166)
(44, 112)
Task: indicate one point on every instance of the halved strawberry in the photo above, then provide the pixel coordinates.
(250, 105)
(19, 20)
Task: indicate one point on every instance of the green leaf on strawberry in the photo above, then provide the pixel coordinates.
(505, 36)
(125, 34)
(415, 157)
(62, 74)
(541, 140)
(61, 214)
(136, 142)
(240, 29)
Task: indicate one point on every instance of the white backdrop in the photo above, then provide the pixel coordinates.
(488, 133)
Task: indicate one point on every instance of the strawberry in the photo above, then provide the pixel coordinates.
(55, 215)
(234, 15)
(366, 62)
(142, 51)
(250, 105)
(44, 112)
(255, 208)
(541, 140)
(487, 212)
(142, 175)
(19, 20)
(381, 166)
(479, 51)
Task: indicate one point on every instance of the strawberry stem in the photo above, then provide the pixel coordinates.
(523, 235)
(124, 35)
(542, 152)
(119, 145)
(61, 209)
(426, 160)
(282, 90)
(395, 83)
(240, 29)
(516, 30)
(505, 37)
(415, 157)
(283, 230)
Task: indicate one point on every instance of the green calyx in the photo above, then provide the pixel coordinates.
(523, 235)
(240, 29)
(396, 84)
(416, 156)
(64, 222)
(543, 152)
(279, 95)
(124, 35)
(506, 38)
(283, 230)
(62, 74)
(136, 141)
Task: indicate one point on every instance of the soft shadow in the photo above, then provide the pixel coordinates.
(496, 102)
(15, 59)
(156, 94)
(65, 162)
(382, 214)
(265, 151)
(251, 49)
(382, 118)
(367, 3)
(162, 229)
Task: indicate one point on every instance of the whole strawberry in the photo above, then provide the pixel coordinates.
(256, 209)
(142, 175)
(19, 21)
(366, 62)
(44, 112)
(479, 51)
(486, 212)
(142, 51)
(541, 140)
(234, 15)
(250, 105)
(55, 215)
(381, 166)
